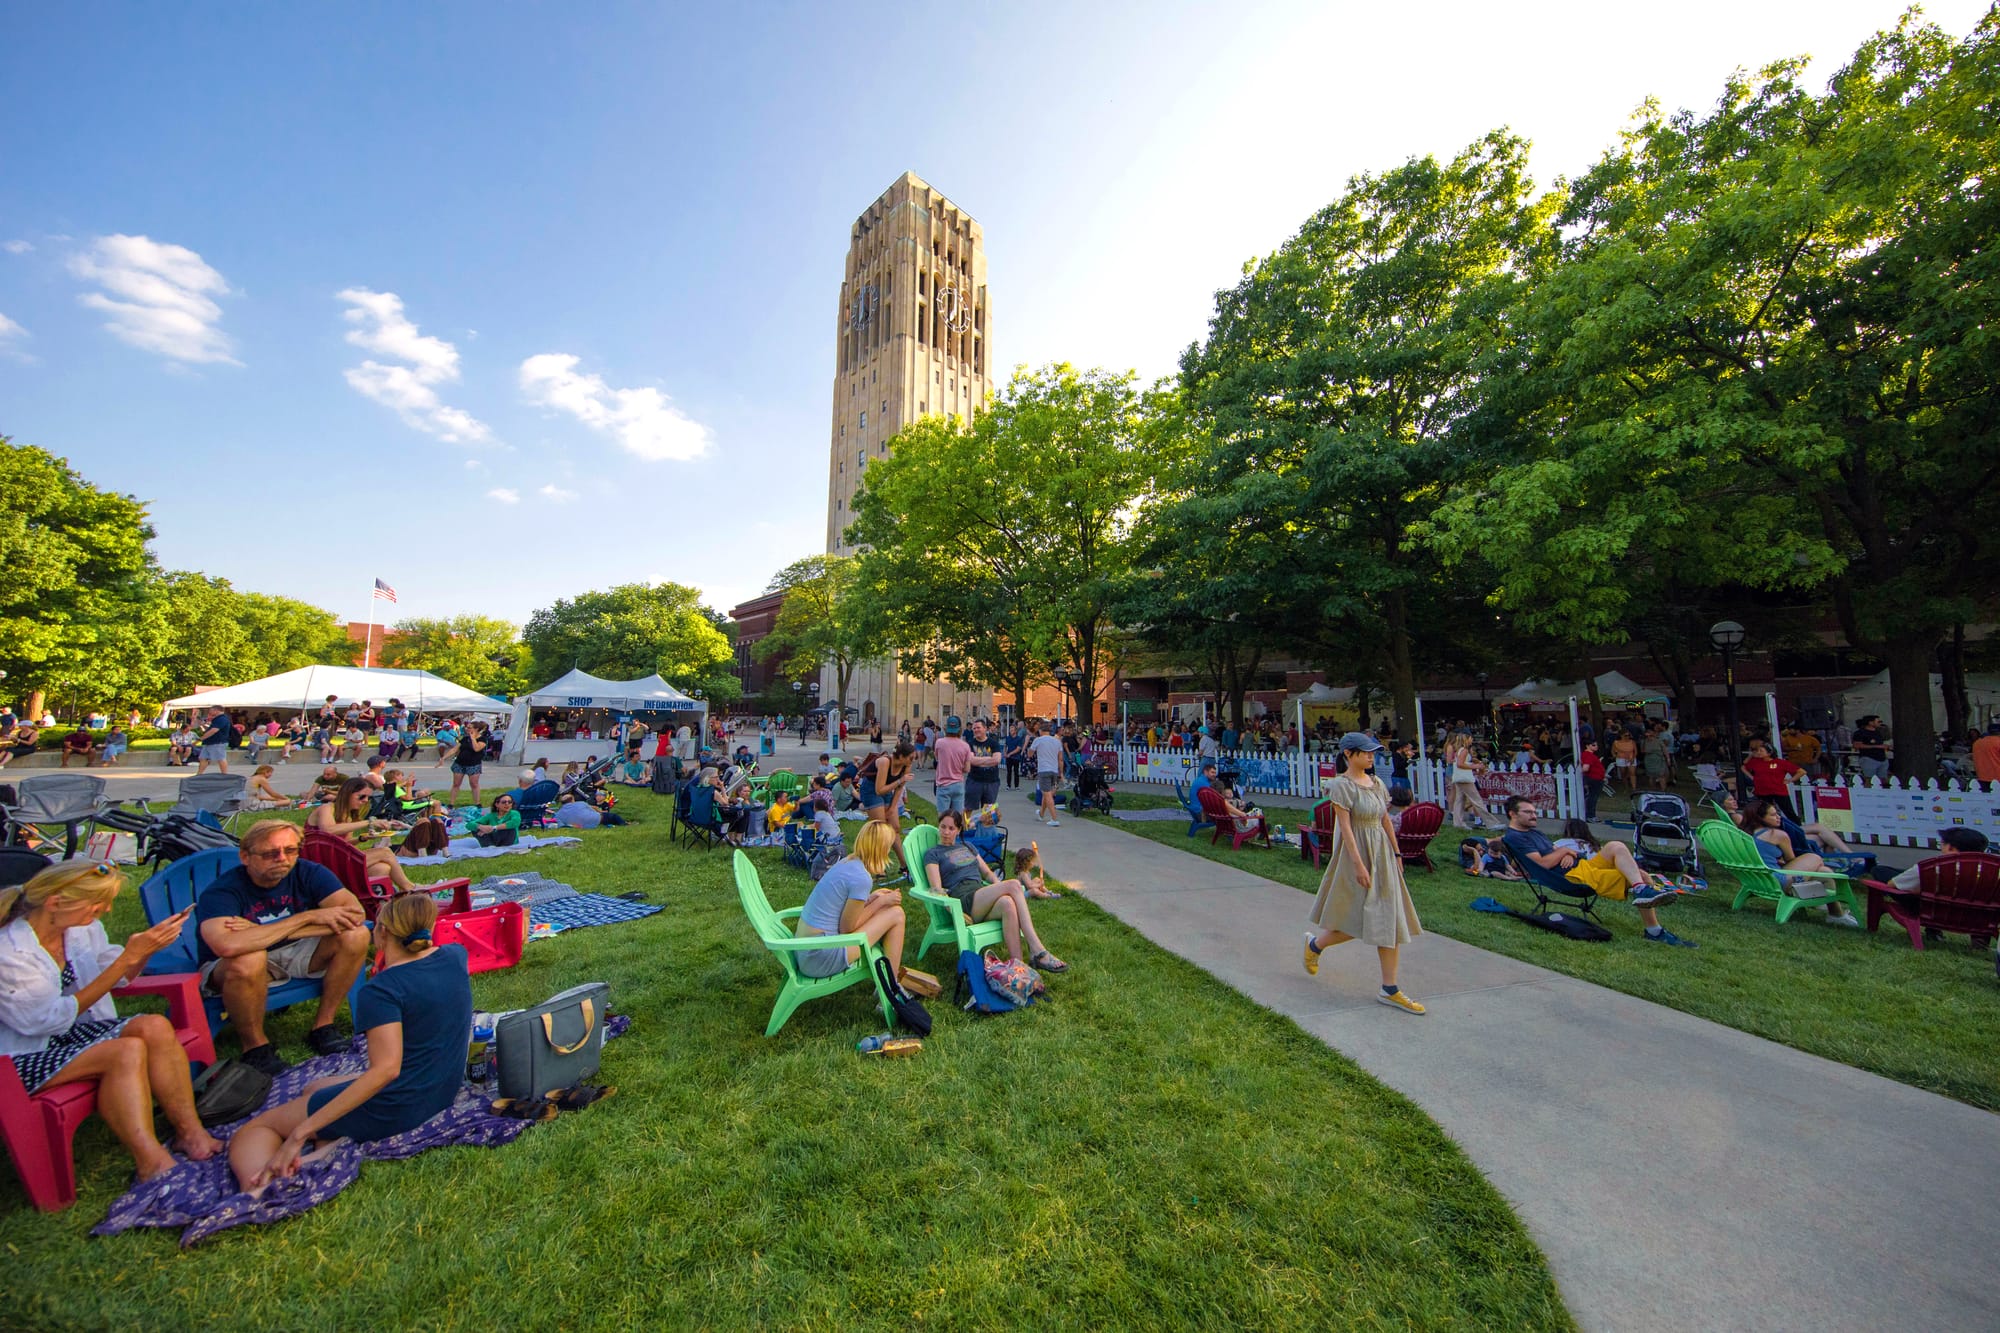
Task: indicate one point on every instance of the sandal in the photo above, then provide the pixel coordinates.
(1047, 962)
(520, 1108)
(576, 1098)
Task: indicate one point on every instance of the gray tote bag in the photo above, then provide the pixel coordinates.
(553, 1044)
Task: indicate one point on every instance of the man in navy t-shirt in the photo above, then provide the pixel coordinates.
(1611, 873)
(277, 918)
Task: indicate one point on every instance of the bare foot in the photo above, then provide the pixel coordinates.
(198, 1147)
(156, 1166)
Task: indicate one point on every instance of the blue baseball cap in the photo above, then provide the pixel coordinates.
(1360, 740)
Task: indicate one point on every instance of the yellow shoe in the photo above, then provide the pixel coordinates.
(1312, 957)
(1399, 1001)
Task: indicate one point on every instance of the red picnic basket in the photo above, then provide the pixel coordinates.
(493, 936)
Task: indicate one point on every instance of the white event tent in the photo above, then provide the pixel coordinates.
(1982, 691)
(306, 688)
(1613, 687)
(580, 689)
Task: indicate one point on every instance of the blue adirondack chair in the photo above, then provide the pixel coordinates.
(174, 888)
(1197, 821)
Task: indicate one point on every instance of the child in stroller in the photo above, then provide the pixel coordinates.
(1093, 791)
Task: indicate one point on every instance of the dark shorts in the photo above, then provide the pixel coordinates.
(467, 770)
(360, 1124)
(1046, 781)
(985, 791)
(870, 798)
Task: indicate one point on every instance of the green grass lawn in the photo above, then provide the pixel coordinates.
(1147, 1149)
(1872, 1001)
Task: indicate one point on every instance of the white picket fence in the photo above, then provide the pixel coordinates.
(1556, 789)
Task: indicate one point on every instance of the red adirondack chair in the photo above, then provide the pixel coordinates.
(1239, 829)
(1316, 840)
(38, 1127)
(1957, 892)
(1420, 823)
(350, 867)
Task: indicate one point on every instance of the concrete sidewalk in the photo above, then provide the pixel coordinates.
(1678, 1174)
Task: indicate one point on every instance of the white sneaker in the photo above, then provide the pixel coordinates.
(1844, 919)
(1051, 823)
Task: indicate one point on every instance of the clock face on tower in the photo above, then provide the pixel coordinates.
(954, 309)
(861, 310)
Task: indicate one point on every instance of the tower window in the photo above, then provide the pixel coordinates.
(923, 409)
(864, 418)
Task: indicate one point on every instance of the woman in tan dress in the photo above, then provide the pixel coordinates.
(1362, 895)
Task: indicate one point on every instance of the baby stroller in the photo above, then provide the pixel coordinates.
(1663, 834)
(1092, 791)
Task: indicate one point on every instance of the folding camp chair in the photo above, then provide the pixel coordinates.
(1553, 889)
(71, 800)
(220, 794)
(18, 865)
(534, 800)
(700, 821)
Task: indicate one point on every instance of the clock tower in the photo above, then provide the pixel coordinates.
(912, 336)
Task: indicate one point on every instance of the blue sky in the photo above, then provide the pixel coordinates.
(319, 282)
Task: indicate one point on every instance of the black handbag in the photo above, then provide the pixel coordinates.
(229, 1090)
(910, 1011)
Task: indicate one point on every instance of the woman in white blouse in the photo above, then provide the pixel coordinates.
(57, 969)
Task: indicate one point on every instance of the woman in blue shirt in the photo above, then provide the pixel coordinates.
(846, 902)
(417, 1012)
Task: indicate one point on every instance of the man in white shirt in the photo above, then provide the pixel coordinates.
(1047, 753)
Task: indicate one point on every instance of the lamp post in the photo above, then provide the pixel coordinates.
(1727, 636)
(1486, 716)
(1067, 677)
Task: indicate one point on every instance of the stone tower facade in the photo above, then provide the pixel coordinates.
(913, 337)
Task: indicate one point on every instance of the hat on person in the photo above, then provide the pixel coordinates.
(952, 725)
(1359, 740)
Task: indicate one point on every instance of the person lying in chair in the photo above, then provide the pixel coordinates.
(417, 1013)
(1612, 873)
(1764, 821)
(276, 918)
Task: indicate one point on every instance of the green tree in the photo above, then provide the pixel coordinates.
(286, 633)
(995, 550)
(634, 630)
(1767, 352)
(479, 652)
(819, 624)
(74, 601)
(1332, 393)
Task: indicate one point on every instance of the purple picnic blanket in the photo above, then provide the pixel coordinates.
(202, 1197)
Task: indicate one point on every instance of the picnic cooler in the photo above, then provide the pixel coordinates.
(554, 1043)
(491, 936)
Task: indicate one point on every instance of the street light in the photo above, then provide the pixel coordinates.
(1727, 636)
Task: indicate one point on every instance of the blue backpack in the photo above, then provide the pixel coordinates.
(972, 977)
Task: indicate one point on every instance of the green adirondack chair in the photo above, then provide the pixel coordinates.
(785, 781)
(1736, 851)
(948, 923)
(771, 928)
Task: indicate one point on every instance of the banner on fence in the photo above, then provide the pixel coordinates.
(1497, 785)
(1903, 815)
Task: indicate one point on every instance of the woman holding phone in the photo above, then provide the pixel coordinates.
(57, 971)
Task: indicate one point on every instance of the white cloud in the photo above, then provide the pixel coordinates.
(643, 421)
(474, 463)
(506, 495)
(16, 247)
(161, 298)
(408, 388)
(9, 329)
(11, 336)
(557, 493)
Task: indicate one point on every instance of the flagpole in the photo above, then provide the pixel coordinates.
(368, 639)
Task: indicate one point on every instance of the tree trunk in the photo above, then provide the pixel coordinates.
(36, 700)
(1402, 672)
(1910, 720)
(1951, 669)
(1596, 706)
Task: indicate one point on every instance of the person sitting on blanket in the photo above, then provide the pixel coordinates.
(327, 784)
(57, 1021)
(1486, 857)
(632, 771)
(346, 816)
(497, 827)
(953, 867)
(845, 901)
(276, 918)
(581, 814)
(1612, 873)
(261, 794)
(1764, 820)
(416, 1012)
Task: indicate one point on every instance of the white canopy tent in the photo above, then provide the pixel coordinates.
(306, 688)
(580, 689)
(1612, 687)
(1982, 691)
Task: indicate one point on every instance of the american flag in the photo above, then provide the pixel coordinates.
(384, 591)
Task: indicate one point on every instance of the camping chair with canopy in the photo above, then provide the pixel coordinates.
(48, 800)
